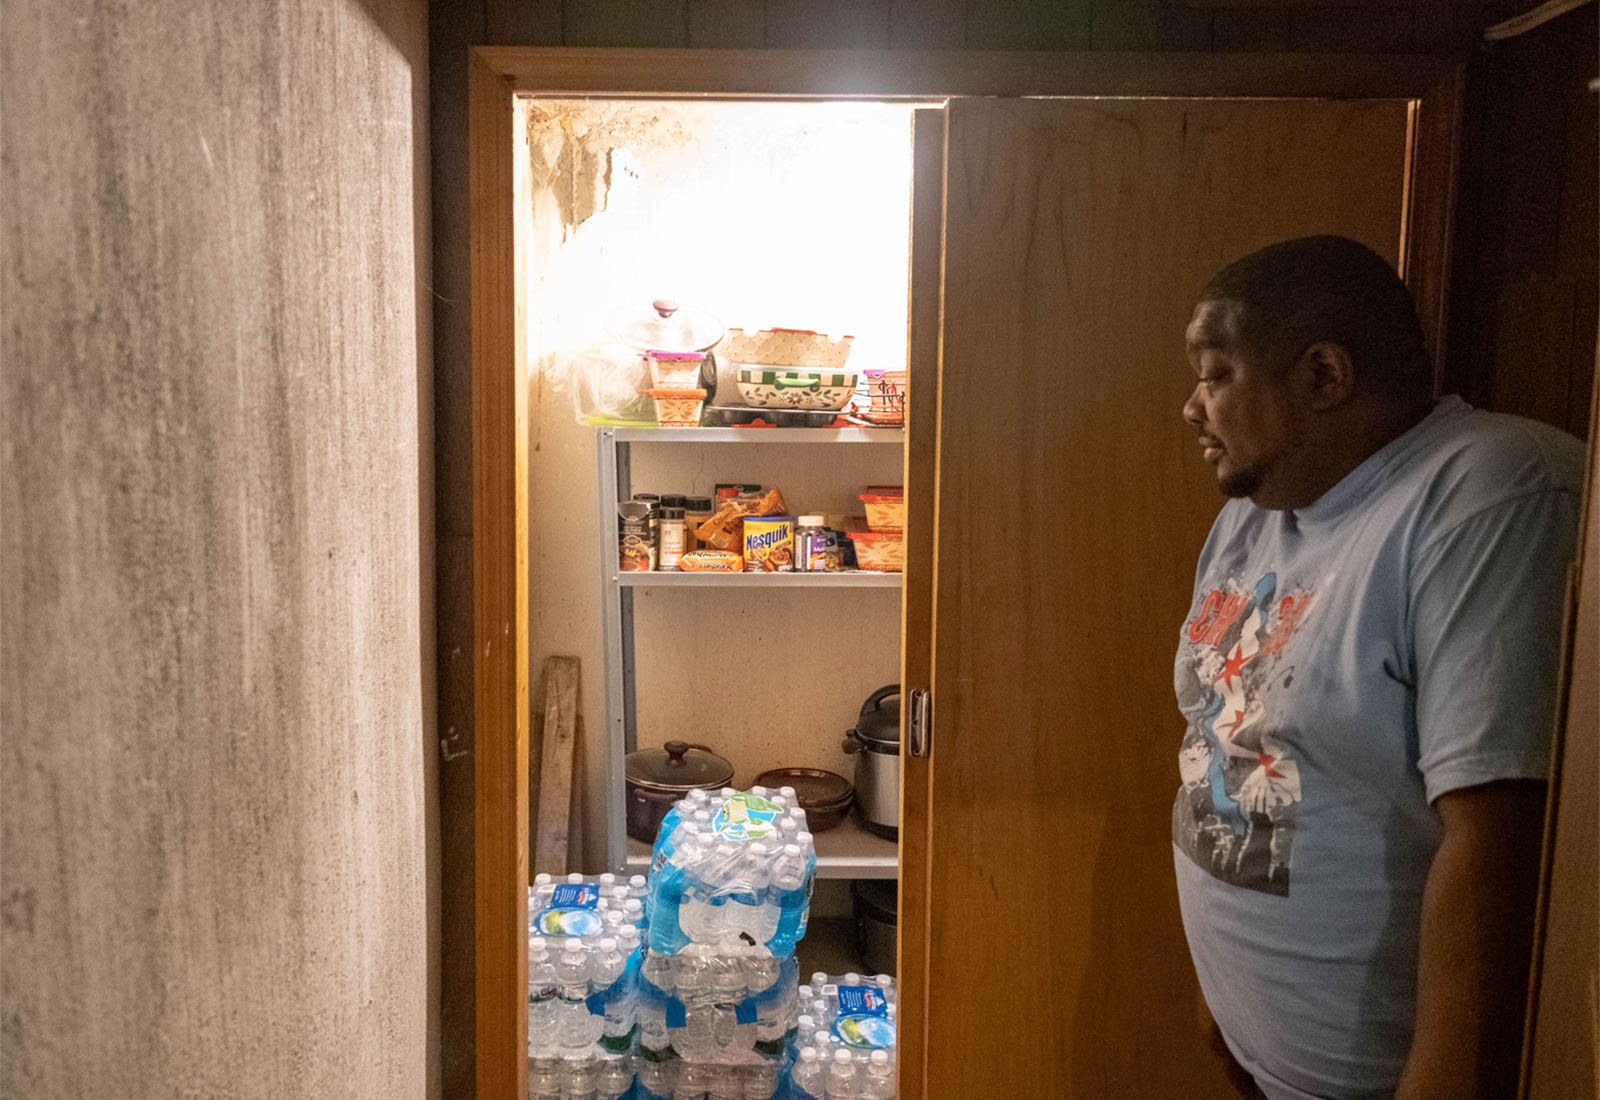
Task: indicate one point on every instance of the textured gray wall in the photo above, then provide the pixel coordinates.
(217, 798)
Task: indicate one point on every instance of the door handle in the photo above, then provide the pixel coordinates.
(920, 734)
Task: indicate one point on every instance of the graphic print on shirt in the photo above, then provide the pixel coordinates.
(1234, 815)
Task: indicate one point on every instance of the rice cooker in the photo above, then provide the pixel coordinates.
(875, 744)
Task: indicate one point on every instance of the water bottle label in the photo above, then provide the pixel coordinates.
(745, 1011)
(676, 1014)
(745, 817)
(863, 1000)
(619, 1044)
(571, 911)
(865, 1032)
(863, 1020)
(596, 1003)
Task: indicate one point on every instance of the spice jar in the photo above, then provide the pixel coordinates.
(696, 510)
(810, 545)
(673, 536)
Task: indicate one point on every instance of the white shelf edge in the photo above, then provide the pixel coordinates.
(760, 435)
(846, 852)
(674, 579)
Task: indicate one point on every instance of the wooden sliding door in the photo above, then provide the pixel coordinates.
(1071, 504)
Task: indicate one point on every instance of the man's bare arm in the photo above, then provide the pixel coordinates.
(1476, 942)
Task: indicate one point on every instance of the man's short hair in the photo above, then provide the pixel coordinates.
(1296, 293)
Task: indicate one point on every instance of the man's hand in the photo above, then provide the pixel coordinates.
(1476, 942)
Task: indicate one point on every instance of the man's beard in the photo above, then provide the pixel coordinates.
(1240, 483)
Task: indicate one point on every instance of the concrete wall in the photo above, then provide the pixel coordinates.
(216, 806)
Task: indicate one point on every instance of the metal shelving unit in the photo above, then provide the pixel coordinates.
(846, 852)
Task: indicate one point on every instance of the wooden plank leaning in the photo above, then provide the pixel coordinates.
(560, 739)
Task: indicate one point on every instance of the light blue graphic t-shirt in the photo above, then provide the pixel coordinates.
(1340, 668)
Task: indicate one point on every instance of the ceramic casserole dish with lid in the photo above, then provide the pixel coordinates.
(656, 778)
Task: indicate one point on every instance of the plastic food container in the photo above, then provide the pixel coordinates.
(880, 551)
(675, 370)
(678, 408)
(886, 508)
(789, 347)
(795, 388)
(888, 390)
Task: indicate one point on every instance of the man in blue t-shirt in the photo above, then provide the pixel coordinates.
(1368, 670)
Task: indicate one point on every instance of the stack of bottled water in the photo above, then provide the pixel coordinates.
(585, 945)
(742, 866)
(729, 896)
(845, 1038)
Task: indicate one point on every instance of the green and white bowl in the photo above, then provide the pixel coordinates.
(796, 388)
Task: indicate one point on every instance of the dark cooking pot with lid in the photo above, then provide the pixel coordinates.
(656, 778)
(875, 743)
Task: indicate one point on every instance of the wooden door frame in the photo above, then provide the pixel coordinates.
(496, 76)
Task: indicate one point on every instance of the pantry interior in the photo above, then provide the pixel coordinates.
(762, 215)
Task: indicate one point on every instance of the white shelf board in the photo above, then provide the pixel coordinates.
(848, 851)
(671, 578)
(896, 436)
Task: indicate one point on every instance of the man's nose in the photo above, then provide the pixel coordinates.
(1193, 410)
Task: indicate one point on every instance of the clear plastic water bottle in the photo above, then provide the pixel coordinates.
(842, 1077)
(761, 1081)
(543, 998)
(789, 882)
(658, 1080)
(880, 1077)
(774, 1000)
(697, 1041)
(615, 1078)
(692, 1080)
(656, 984)
(544, 1078)
(728, 984)
(613, 981)
(578, 1078)
(668, 889)
(572, 978)
(806, 1078)
(637, 886)
(723, 1083)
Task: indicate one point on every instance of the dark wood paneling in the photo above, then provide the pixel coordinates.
(828, 24)
(653, 23)
(1081, 296)
(522, 22)
(924, 73)
(727, 24)
(451, 29)
(1560, 1058)
(1523, 320)
(1266, 29)
(1348, 30)
(1149, 25)
(1029, 25)
(927, 24)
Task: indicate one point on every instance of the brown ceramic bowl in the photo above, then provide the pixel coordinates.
(825, 796)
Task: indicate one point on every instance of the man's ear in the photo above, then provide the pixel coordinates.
(1330, 377)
